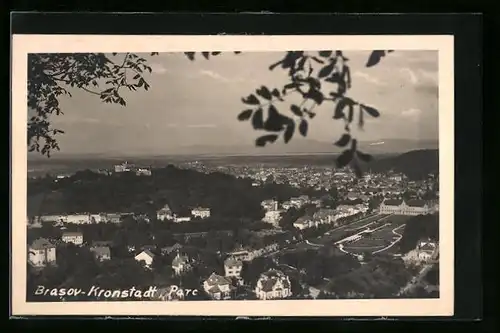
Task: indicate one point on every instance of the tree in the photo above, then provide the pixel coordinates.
(317, 77)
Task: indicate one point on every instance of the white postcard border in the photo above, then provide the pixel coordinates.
(24, 44)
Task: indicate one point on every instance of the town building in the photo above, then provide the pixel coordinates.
(402, 207)
(101, 253)
(124, 167)
(325, 215)
(181, 264)
(143, 172)
(270, 205)
(200, 212)
(41, 253)
(304, 222)
(425, 251)
(233, 267)
(241, 254)
(180, 219)
(74, 237)
(165, 213)
(286, 205)
(145, 256)
(273, 217)
(218, 287)
(273, 284)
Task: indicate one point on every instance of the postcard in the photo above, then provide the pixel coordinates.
(232, 175)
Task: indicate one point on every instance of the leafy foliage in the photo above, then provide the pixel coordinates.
(51, 74)
(318, 77)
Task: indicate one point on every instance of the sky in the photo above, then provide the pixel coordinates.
(197, 102)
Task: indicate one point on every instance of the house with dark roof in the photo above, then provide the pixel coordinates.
(164, 213)
(401, 207)
(218, 287)
(426, 250)
(233, 267)
(101, 253)
(273, 284)
(41, 253)
(170, 249)
(181, 264)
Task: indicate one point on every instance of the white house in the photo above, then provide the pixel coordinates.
(74, 237)
(241, 254)
(143, 172)
(273, 284)
(218, 287)
(273, 217)
(146, 256)
(124, 167)
(52, 218)
(304, 222)
(164, 213)
(269, 205)
(425, 251)
(180, 219)
(79, 218)
(41, 253)
(201, 212)
(233, 267)
(181, 264)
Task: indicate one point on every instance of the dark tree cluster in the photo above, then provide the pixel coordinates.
(418, 228)
(181, 189)
(381, 277)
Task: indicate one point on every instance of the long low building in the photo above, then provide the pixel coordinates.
(402, 207)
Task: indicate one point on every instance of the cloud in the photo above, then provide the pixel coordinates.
(213, 75)
(158, 68)
(412, 76)
(369, 78)
(429, 75)
(410, 113)
(201, 126)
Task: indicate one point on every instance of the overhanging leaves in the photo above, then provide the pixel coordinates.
(344, 158)
(251, 99)
(343, 141)
(258, 119)
(303, 127)
(263, 140)
(245, 115)
(371, 111)
(264, 92)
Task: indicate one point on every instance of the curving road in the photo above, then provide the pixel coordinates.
(328, 237)
(393, 243)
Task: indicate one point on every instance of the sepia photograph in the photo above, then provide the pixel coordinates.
(233, 175)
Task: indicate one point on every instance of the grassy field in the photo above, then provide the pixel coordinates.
(381, 238)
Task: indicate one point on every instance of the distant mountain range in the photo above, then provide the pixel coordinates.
(295, 147)
(415, 164)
